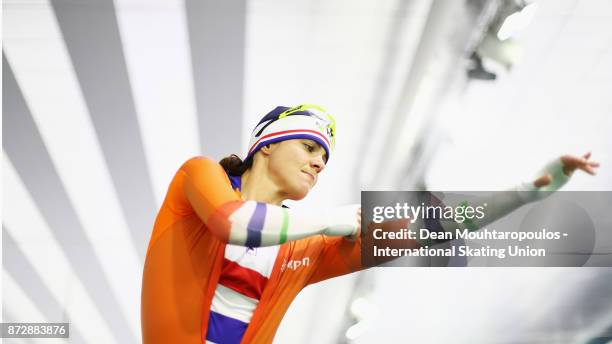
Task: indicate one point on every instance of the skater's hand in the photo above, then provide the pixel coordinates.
(354, 237)
(570, 164)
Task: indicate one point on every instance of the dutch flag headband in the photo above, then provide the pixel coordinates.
(301, 122)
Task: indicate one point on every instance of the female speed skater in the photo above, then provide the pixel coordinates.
(226, 258)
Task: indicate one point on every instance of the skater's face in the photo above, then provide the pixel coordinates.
(295, 164)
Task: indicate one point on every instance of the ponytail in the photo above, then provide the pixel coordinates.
(234, 166)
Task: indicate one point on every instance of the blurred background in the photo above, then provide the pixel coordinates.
(103, 100)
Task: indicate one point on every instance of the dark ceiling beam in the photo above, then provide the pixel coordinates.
(91, 33)
(217, 32)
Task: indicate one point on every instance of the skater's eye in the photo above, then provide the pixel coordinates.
(309, 147)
